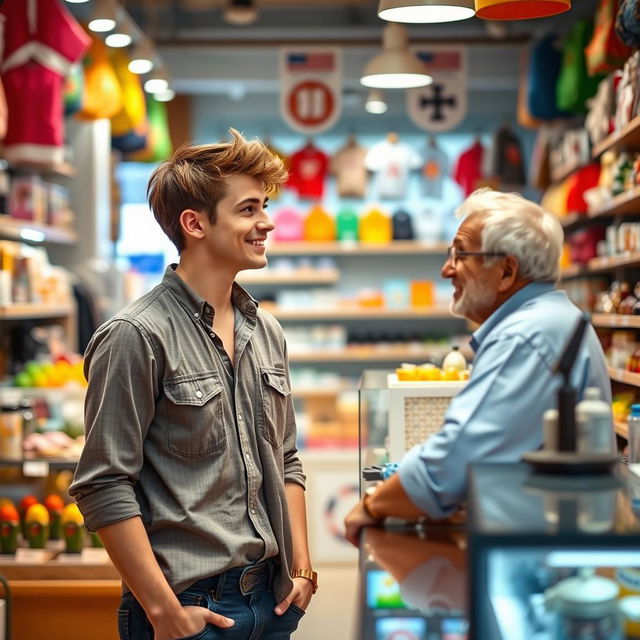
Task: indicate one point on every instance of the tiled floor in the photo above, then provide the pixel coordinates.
(332, 612)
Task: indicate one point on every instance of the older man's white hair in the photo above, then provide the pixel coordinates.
(514, 225)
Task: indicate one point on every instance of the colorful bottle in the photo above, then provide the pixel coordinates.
(594, 423)
(36, 526)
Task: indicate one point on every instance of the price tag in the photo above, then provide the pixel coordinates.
(32, 556)
(72, 558)
(35, 468)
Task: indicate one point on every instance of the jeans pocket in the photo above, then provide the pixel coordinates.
(296, 609)
(197, 636)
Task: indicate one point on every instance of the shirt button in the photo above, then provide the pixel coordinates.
(247, 456)
(198, 394)
(196, 315)
(253, 511)
(240, 418)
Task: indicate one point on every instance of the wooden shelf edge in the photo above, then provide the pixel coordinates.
(12, 229)
(620, 204)
(359, 313)
(565, 170)
(306, 276)
(616, 320)
(626, 377)
(618, 138)
(360, 248)
(63, 169)
(23, 311)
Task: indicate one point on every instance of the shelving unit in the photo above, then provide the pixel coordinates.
(358, 313)
(40, 311)
(299, 276)
(26, 231)
(615, 321)
(628, 138)
(354, 354)
(60, 169)
(397, 247)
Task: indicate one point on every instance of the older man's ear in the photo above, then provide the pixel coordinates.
(510, 274)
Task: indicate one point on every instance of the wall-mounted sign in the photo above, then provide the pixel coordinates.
(442, 105)
(311, 87)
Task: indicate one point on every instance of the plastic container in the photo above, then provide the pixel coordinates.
(10, 431)
(594, 424)
(633, 424)
(454, 359)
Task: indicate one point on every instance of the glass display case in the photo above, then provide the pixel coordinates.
(553, 557)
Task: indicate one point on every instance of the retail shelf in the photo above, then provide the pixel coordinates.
(63, 169)
(624, 376)
(357, 313)
(624, 203)
(360, 354)
(27, 311)
(53, 463)
(397, 247)
(621, 428)
(299, 276)
(607, 263)
(558, 174)
(25, 231)
(320, 392)
(615, 320)
(627, 138)
(573, 271)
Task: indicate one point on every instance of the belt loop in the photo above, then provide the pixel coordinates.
(217, 592)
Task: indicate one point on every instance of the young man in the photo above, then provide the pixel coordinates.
(503, 264)
(190, 472)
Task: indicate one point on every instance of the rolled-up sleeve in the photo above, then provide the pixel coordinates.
(496, 417)
(122, 372)
(292, 465)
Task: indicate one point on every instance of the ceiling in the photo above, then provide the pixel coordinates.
(207, 56)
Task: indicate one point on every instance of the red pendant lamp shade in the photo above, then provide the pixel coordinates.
(520, 9)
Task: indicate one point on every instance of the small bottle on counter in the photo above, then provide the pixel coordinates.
(454, 359)
(633, 425)
(10, 431)
(594, 424)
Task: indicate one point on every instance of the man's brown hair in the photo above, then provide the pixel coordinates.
(195, 176)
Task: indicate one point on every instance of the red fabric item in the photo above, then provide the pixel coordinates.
(41, 40)
(583, 245)
(468, 169)
(308, 168)
(583, 179)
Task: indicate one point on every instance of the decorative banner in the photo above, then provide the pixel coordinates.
(311, 87)
(442, 105)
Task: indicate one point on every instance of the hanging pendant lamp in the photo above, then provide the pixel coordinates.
(425, 11)
(520, 9)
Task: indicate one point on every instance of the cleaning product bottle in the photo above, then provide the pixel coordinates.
(594, 424)
(454, 359)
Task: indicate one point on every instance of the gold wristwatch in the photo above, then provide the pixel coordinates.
(309, 574)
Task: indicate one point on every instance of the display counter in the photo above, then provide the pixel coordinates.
(62, 599)
(413, 584)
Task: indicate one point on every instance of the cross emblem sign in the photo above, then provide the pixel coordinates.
(437, 101)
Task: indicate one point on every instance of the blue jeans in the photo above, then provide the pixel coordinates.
(243, 594)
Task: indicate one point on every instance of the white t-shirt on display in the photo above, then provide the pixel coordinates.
(392, 163)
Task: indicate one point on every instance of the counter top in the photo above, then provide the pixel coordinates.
(413, 584)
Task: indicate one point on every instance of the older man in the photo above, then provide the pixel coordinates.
(503, 264)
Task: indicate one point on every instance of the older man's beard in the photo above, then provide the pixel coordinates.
(476, 297)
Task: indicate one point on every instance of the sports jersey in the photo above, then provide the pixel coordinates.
(468, 168)
(351, 174)
(41, 41)
(434, 168)
(392, 163)
(308, 168)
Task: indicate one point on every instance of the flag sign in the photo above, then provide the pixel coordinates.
(442, 105)
(311, 87)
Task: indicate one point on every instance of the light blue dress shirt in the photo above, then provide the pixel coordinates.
(498, 415)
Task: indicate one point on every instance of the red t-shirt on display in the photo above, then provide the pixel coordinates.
(308, 168)
(468, 169)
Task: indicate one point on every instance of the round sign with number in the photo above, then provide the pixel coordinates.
(311, 103)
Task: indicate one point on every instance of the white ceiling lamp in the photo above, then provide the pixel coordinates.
(120, 37)
(396, 67)
(157, 82)
(165, 96)
(375, 102)
(240, 13)
(104, 16)
(77, 1)
(142, 57)
(421, 11)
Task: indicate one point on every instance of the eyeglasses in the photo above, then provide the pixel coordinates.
(453, 254)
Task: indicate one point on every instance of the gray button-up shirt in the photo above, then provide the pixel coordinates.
(200, 451)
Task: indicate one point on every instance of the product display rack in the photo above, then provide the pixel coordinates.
(22, 230)
(396, 247)
(620, 208)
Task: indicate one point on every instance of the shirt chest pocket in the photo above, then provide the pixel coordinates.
(195, 414)
(275, 397)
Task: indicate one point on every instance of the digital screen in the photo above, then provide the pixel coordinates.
(454, 629)
(401, 629)
(383, 592)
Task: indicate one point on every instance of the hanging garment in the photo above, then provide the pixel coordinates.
(435, 166)
(350, 171)
(508, 161)
(468, 168)
(628, 23)
(308, 168)
(159, 146)
(392, 162)
(544, 68)
(605, 52)
(41, 41)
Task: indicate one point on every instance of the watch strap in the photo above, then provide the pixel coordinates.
(309, 574)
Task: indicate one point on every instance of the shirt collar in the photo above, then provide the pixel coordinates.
(196, 305)
(530, 291)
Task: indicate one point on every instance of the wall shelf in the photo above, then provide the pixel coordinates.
(628, 137)
(626, 377)
(355, 354)
(299, 276)
(624, 203)
(63, 169)
(615, 320)
(27, 311)
(12, 229)
(559, 173)
(357, 313)
(398, 247)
